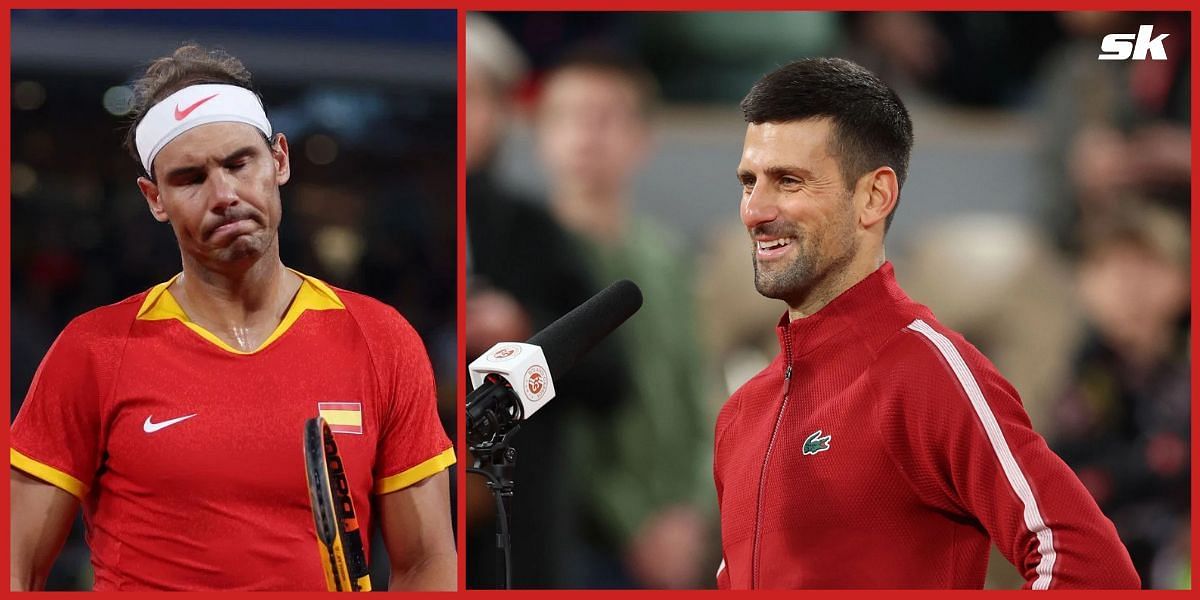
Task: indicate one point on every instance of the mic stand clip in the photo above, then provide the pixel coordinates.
(495, 460)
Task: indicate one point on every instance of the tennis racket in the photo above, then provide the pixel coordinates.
(338, 535)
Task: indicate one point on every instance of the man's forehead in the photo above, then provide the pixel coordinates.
(796, 139)
(594, 76)
(212, 139)
(592, 87)
(811, 128)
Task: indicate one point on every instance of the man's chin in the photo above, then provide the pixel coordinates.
(772, 289)
(240, 249)
(777, 285)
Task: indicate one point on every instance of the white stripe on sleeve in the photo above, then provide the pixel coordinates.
(1012, 471)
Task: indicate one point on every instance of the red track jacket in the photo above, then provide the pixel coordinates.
(881, 450)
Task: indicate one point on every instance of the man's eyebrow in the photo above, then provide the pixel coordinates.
(184, 171)
(232, 156)
(781, 170)
(775, 171)
(240, 153)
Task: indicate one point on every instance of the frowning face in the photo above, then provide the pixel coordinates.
(218, 187)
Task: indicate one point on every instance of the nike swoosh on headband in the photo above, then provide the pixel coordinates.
(182, 114)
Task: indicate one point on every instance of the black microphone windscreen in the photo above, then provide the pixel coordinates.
(569, 338)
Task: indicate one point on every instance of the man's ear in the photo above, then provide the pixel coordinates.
(150, 192)
(279, 152)
(883, 191)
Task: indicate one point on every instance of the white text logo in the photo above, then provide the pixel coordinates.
(1123, 46)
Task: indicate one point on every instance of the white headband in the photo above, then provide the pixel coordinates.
(194, 106)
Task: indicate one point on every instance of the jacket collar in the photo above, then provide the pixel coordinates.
(854, 307)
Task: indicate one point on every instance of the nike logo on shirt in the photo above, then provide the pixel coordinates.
(182, 114)
(151, 427)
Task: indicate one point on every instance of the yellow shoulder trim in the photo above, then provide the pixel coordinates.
(150, 309)
(327, 299)
(47, 473)
(313, 294)
(430, 467)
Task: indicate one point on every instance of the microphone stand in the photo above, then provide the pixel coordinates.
(497, 463)
(495, 460)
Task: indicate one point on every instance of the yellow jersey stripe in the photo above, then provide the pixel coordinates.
(343, 417)
(400, 481)
(47, 473)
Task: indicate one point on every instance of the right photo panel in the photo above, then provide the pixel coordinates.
(770, 300)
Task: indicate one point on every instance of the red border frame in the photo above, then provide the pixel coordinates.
(461, 224)
(5, 228)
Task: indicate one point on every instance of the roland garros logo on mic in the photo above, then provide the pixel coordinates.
(505, 353)
(535, 382)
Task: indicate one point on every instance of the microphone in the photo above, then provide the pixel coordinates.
(513, 380)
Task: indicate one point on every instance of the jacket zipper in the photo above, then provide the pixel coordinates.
(762, 480)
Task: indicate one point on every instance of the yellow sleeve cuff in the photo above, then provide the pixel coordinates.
(415, 474)
(47, 473)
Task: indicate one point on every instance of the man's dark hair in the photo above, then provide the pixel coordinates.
(871, 127)
(601, 59)
(190, 64)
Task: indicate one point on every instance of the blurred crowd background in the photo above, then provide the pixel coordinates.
(1046, 217)
(368, 102)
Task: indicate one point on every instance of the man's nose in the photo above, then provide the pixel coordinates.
(223, 189)
(758, 207)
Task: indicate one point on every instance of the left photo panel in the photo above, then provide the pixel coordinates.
(233, 324)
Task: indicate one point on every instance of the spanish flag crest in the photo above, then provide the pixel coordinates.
(343, 417)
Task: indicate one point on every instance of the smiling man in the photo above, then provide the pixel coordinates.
(879, 449)
(175, 417)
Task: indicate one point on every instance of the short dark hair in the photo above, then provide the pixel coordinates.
(871, 127)
(602, 59)
(190, 64)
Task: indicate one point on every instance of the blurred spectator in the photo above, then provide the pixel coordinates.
(1123, 421)
(524, 271)
(642, 468)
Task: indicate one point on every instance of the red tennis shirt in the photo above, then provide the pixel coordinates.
(186, 454)
(881, 450)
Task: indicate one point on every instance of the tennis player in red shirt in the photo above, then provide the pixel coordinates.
(175, 417)
(879, 449)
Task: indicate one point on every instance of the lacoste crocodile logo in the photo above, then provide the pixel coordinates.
(816, 443)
